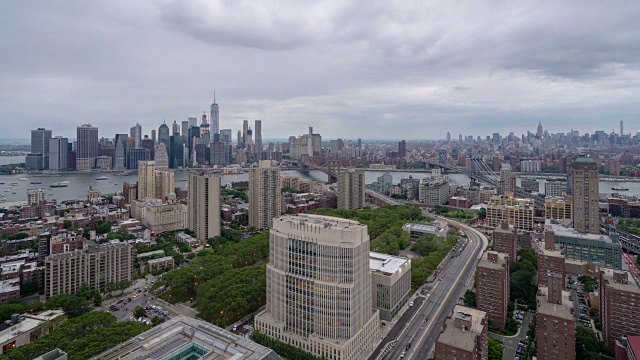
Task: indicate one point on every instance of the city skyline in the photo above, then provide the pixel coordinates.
(378, 74)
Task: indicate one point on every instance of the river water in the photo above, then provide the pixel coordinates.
(79, 183)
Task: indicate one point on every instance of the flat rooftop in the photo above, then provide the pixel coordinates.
(424, 228)
(160, 260)
(28, 324)
(455, 337)
(385, 263)
(563, 311)
(488, 264)
(629, 286)
(321, 221)
(187, 334)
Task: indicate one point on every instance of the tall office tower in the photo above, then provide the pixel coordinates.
(245, 129)
(555, 322)
(249, 140)
(539, 131)
(351, 188)
(161, 157)
(239, 138)
(153, 135)
(359, 143)
(492, 286)
(134, 156)
(120, 152)
(176, 151)
(464, 335)
(58, 153)
(204, 119)
(225, 136)
(163, 135)
(147, 143)
(97, 265)
(215, 117)
(258, 140)
(448, 136)
(204, 205)
(619, 310)
(220, 154)
(40, 145)
(184, 129)
(265, 196)
(87, 148)
(505, 240)
(585, 209)
(319, 287)
(507, 180)
(402, 149)
(621, 128)
(136, 133)
(146, 180)
(35, 196)
(193, 121)
(175, 128)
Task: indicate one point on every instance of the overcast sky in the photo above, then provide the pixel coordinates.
(375, 70)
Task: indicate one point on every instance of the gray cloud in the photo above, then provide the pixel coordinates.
(351, 69)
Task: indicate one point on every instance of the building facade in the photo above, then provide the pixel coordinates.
(351, 189)
(87, 147)
(492, 286)
(464, 336)
(585, 187)
(265, 196)
(619, 310)
(505, 240)
(319, 287)
(97, 265)
(517, 212)
(555, 322)
(391, 276)
(204, 205)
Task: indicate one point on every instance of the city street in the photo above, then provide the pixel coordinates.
(510, 343)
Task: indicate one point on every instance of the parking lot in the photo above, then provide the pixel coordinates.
(514, 346)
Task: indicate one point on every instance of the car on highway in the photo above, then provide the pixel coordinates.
(410, 303)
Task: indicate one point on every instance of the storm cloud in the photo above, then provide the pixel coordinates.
(377, 70)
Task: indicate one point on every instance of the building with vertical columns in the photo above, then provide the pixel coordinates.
(505, 240)
(391, 283)
(555, 322)
(492, 286)
(619, 310)
(87, 147)
(351, 189)
(58, 147)
(204, 205)
(464, 336)
(319, 287)
(585, 209)
(265, 195)
(153, 183)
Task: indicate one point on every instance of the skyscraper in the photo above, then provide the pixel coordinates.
(120, 152)
(184, 128)
(175, 128)
(258, 140)
(154, 183)
(402, 149)
(448, 136)
(58, 153)
(161, 156)
(245, 129)
(539, 130)
(136, 133)
(225, 136)
(163, 136)
(204, 205)
(319, 287)
(40, 145)
(215, 118)
(351, 189)
(585, 209)
(176, 151)
(265, 197)
(507, 180)
(621, 128)
(492, 286)
(87, 148)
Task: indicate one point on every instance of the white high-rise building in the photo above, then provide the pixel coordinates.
(319, 289)
(87, 147)
(265, 197)
(161, 157)
(154, 183)
(35, 196)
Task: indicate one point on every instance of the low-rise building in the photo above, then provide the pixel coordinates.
(150, 254)
(590, 247)
(162, 263)
(55, 354)
(29, 328)
(188, 239)
(439, 228)
(186, 338)
(9, 290)
(464, 335)
(391, 277)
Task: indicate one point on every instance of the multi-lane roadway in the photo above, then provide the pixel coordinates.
(421, 330)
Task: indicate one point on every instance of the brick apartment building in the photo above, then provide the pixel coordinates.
(492, 286)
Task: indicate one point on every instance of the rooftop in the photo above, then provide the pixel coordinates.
(321, 221)
(488, 264)
(425, 228)
(9, 285)
(465, 340)
(563, 311)
(386, 264)
(584, 159)
(28, 324)
(629, 286)
(161, 260)
(188, 335)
